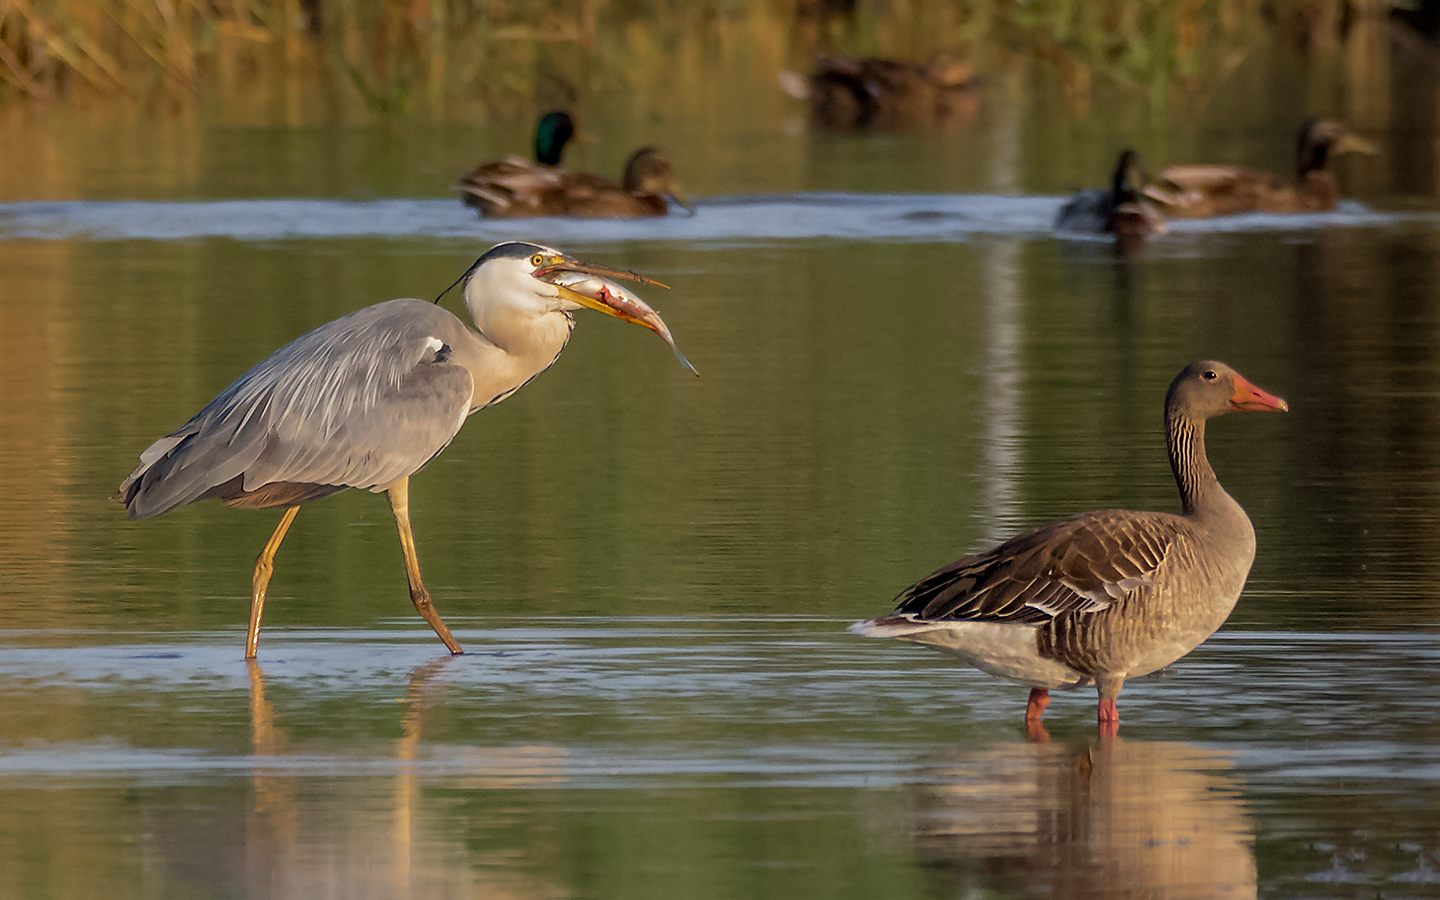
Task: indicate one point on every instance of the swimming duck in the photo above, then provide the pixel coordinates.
(1202, 191)
(515, 188)
(1120, 209)
(646, 188)
(1103, 596)
(848, 94)
(514, 185)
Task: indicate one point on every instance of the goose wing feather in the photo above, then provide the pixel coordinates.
(1077, 566)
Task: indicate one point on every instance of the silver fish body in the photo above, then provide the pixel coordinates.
(626, 305)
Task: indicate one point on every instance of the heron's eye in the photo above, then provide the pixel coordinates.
(1209, 375)
(537, 260)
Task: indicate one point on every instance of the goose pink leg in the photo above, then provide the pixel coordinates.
(1109, 718)
(1039, 699)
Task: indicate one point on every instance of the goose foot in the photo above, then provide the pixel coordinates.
(1039, 699)
(1109, 718)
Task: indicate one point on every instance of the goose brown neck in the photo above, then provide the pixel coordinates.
(1185, 439)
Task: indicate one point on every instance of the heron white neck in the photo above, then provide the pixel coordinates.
(507, 306)
(522, 333)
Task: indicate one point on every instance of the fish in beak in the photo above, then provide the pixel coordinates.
(594, 287)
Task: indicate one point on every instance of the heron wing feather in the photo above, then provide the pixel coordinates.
(361, 401)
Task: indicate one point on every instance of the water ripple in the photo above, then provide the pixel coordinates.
(843, 216)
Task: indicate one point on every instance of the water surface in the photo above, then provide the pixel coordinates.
(652, 573)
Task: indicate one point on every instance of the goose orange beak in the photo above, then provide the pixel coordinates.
(1249, 398)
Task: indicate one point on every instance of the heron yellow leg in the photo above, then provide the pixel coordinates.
(264, 568)
(400, 504)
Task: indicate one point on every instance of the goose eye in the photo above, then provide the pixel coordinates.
(1209, 375)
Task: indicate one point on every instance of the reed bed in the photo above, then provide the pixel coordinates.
(404, 56)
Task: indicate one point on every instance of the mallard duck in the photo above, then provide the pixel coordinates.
(517, 188)
(646, 188)
(848, 94)
(1120, 209)
(513, 186)
(1202, 191)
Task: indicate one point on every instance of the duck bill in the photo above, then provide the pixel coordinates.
(1249, 398)
(682, 199)
(1353, 143)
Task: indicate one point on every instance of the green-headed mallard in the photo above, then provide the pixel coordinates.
(889, 95)
(1120, 209)
(1202, 191)
(514, 187)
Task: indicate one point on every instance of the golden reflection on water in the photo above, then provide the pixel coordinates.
(1115, 819)
(303, 841)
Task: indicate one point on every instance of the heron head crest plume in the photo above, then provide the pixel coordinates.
(505, 250)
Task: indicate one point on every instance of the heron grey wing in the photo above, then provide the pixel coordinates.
(367, 397)
(1078, 566)
(383, 399)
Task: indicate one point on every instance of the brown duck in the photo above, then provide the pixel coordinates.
(647, 187)
(516, 188)
(1203, 191)
(877, 94)
(1106, 595)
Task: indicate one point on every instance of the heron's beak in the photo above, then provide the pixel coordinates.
(587, 285)
(556, 268)
(1250, 398)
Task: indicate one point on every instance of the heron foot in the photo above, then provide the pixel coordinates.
(421, 599)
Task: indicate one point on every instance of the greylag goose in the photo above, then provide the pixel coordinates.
(1106, 595)
(889, 94)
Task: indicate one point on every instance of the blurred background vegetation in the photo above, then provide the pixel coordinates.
(477, 59)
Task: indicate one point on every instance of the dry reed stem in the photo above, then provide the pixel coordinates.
(463, 48)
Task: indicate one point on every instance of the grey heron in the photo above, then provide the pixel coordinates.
(365, 401)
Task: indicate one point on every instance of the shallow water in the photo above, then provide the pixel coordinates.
(652, 574)
(631, 756)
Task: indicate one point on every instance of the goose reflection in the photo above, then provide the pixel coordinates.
(1116, 819)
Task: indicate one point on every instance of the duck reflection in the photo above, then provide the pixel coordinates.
(1115, 819)
(310, 834)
